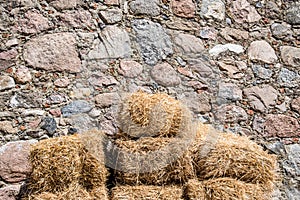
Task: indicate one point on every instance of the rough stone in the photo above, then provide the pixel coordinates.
(76, 107)
(231, 69)
(26, 100)
(293, 14)
(99, 79)
(183, 8)
(291, 165)
(262, 72)
(154, 43)
(6, 82)
(77, 19)
(64, 4)
(219, 48)
(111, 2)
(290, 55)
(281, 31)
(12, 42)
(208, 33)
(296, 104)
(7, 58)
(230, 114)
(10, 192)
(198, 103)
(14, 163)
(58, 55)
(62, 82)
(231, 34)
(188, 45)
(242, 12)
(130, 68)
(283, 126)
(288, 78)
(23, 75)
(228, 92)
(83, 122)
(7, 127)
(147, 7)
(114, 43)
(165, 75)
(111, 16)
(261, 98)
(213, 9)
(262, 51)
(49, 124)
(107, 99)
(33, 22)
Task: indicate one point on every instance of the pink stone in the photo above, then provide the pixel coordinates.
(242, 11)
(296, 104)
(107, 99)
(23, 75)
(165, 75)
(183, 8)
(33, 22)
(62, 82)
(111, 2)
(55, 112)
(64, 4)
(130, 68)
(77, 18)
(7, 58)
(14, 161)
(10, 192)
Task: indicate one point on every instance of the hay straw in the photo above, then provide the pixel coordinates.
(152, 161)
(234, 156)
(225, 189)
(146, 193)
(99, 193)
(158, 114)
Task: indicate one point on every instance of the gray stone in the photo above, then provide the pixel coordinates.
(58, 55)
(292, 165)
(281, 31)
(107, 99)
(14, 163)
(187, 45)
(114, 43)
(219, 48)
(290, 55)
(228, 92)
(261, 98)
(111, 16)
(6, 82)
(276, 147)
(49, 124)
(198, 103)
(230, 114)
(76, 107)
(262, 72)
(213, 9)
(242, 11)
(147, 7)
(262, 51)
(165, 75)
(293, 14)
(208, 33)
(10, 192)
(258, 124)
(288, 78)
(154, 44)
(83, 122)
(26, 100)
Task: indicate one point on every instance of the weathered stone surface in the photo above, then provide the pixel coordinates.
(165, 75)
(198, 103)
(26, 100)
(7, 127)
(281, 31)
(23, 75)
(183, 8)
(231, 34)
(83, 122)
(49, 124)
(242, 11)
(7, 58)
(107, 99)
(296, 104)
(213, 9)
(77, 19)
(154, 43)
(293, 14)
(281, 126)
(14, 162)
(230, 114)
(147, 7)
(62, 82)
(76, 107)
(290, 55)
(262, 51)
(111, 2)
(219, 48)
(231, 69)
(288, 78)
(111, 16)
(130, 68)
(64, 4)
(99, 79)
(114, 43)
(6, 82)
(187, 44)
(228, 92)
(53, 52)
(262, 72)
(208, 33)
(10, 192)
(33, 22)
(261, 98)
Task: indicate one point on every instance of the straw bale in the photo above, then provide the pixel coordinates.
(147, 192)
(152, 161)
(225, 189)
(100, 193)
(56, 162)
(158, 114)
(229, 155)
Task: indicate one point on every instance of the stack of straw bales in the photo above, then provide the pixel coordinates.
(64, 168)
